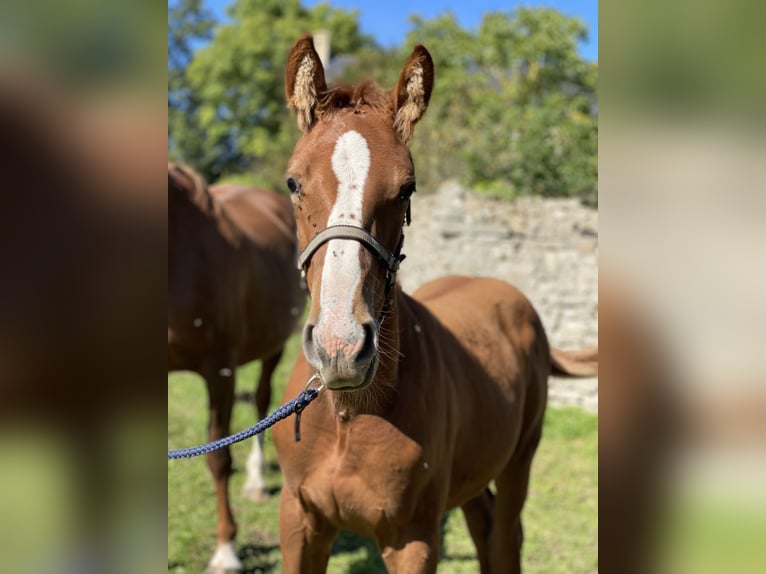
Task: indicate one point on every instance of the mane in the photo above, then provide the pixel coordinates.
(362, 97)
(193, 186)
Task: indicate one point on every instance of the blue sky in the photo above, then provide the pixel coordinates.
(386, 20)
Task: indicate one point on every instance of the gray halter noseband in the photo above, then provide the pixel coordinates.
(389, 260)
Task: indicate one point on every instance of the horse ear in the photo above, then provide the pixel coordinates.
(413, 91)
(304, 80)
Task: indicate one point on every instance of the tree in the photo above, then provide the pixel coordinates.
(513, 110)
(242, 120)
(546, 142)
(188, 24)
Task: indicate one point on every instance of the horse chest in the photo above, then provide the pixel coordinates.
(365, 483)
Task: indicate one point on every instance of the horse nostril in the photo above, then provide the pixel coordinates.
(369, 346)
(309, 347)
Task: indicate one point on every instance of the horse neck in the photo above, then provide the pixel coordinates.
(206, 214)
(378, 397)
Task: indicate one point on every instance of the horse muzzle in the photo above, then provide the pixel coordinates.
(345, 361)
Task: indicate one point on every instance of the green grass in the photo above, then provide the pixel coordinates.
(560, 517)
(720, 530)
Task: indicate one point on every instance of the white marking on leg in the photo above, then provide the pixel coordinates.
(342, 271)
(224, 560)
(255, 487)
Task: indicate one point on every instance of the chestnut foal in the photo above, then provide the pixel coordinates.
(430, 397)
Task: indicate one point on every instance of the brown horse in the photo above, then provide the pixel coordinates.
(234, 296)
(431, 397)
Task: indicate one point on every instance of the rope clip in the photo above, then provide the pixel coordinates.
(300, 406)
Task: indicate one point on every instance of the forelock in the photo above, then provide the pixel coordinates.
(364, 97)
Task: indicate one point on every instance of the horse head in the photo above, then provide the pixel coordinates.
(350, 178)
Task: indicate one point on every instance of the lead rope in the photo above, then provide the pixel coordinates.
(296, 406)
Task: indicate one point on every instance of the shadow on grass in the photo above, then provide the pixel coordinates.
(265, 558)
(258, 559)
(247, 397)
(349, 542)
(442, 529)
(373, 563)
(274, 491)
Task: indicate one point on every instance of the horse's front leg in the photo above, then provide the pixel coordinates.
(219, 378)
(414, 549)
(255, 486)
(306, 539)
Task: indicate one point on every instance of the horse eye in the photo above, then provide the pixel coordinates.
(292, 185)
(406, 191)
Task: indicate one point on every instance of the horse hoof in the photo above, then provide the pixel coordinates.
(256, 494)
(224, 561)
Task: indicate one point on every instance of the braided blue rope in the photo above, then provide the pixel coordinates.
(294, 406)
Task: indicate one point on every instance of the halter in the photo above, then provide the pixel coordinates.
(389, 260)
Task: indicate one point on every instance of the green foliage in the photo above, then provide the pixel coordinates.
(513, 110)
(443, 133)
(242, 122)
(247, 178)
(188, 23)
(514, 106)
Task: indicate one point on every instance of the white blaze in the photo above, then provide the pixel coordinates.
(342, 272)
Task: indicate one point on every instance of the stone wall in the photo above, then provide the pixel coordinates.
(548, 248)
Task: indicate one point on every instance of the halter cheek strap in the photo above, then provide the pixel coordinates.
(390, 261)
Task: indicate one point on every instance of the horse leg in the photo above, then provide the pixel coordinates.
(478, 514)
(507, 534)
(255, 487)
(305, 539)
(414, 549)
(220, 388)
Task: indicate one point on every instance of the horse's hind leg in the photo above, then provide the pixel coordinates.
(255, 487)
(263, 391)
(220, 387)
(479, 514)
(507, 534)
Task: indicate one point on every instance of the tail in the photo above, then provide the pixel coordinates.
(580, 363)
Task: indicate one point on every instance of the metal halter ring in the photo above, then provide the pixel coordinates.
(298, 408)
(315, 378)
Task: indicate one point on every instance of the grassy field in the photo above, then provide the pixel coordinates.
(560, 517)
